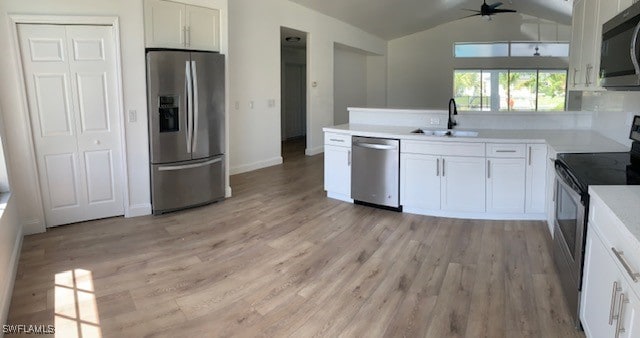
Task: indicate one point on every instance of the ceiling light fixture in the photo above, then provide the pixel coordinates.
(537, 53)
(292, 39)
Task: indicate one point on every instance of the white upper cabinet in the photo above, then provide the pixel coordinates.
(575, 49)
(175, 25)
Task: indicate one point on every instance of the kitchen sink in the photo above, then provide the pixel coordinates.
(449, 133)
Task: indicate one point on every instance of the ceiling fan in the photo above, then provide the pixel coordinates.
(489, 10)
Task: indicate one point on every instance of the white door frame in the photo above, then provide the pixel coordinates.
(114, 23)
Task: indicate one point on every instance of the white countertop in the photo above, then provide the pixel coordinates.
(623, 200)
(562, 141)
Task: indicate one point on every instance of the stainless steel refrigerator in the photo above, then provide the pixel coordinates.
(185, 93)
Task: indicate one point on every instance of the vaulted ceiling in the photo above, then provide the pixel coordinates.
(390, 19)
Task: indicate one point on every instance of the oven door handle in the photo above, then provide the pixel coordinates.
(634, 49)
(567, 175)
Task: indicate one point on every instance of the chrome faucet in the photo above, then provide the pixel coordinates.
(451, 122)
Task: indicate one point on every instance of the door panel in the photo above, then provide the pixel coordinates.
(420, 181)
(70, 75)
(185, 185)
(168, 121)
(52, 97)
(463, 184)
(210, 105)
(61, 177)
(94, 110)
(506, 185)
(100, 184)
(164, 24)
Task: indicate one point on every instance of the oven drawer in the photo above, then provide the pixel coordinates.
(616, 237)
(506, 150)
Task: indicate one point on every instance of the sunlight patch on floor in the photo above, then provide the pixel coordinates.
(76, 310)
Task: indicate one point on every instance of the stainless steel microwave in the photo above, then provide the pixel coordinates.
(620, 54)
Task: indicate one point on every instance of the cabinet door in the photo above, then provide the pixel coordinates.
(589, 38)
(630, 318)
(536, 187)
(505, 185)
(575, 48)
(203, 28)
(624, 4)
(337, 170)
(164, 24)
(598, 295)
(420, 181)
(463, 184)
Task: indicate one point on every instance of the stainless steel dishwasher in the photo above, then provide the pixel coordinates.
(375, 171)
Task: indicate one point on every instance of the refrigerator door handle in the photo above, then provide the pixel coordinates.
(189, 166)
(194, 109)
(189, 104)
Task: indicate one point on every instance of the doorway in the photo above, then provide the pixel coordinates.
(71, 81)
(293, 117)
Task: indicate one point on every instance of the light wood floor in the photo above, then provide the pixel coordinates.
(280, 259)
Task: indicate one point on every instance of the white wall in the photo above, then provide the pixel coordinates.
(254, 35)
(349, 82)
(22, 171)
(421, 65)
(10, 241)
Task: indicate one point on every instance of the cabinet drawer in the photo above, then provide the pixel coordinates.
(615, 235)
(443, 148)
(506, 150)
(340, 140)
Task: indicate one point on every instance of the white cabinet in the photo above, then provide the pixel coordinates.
(505, 185)
(575, 49)
(337, 166)
(551, 188)
(176, 25)
(420, 181)
(584, 60)
(463, 184)
(610, 303)
(536, 178)
(446, 176)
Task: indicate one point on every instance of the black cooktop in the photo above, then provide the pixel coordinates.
(601, 168)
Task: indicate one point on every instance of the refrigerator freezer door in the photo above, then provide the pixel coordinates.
(209, 105)
(167, 102)
(187, 184)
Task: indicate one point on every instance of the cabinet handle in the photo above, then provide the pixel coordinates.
(614, 293)
(438, 167)
(619, 254)
(188, 36)
(443, 168)
(184, 35)
(575, 75)
(530, 150)
(488, 168)
(587, 76)
(349, 157)
(336, 140)
(505, 151)
(621, 302)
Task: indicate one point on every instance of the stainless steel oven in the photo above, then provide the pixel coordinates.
(572, 205)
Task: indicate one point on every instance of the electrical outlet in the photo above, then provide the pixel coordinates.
(435, 120)
(271, 103)
(237, 105)
(133, 116)
(251, 104)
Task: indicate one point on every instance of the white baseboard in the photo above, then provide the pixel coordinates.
(227, 192)
(474, 215)
(34, 226)
(256, 165)
(138, 210)
(314, 151)
(10, 280)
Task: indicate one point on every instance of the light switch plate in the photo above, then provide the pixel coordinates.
(435, 120)
(133, 116)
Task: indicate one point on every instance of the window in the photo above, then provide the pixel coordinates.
(510, 49)
(510, 90)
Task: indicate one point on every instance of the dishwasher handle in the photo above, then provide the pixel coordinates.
(375, 146)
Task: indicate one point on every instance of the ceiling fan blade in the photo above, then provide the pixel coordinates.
(495, 5)
(504, 11)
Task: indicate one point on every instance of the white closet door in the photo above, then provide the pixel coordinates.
(71, 89)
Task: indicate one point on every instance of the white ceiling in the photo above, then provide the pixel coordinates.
(390, 19)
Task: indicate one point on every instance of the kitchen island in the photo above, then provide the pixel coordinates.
(498, 174)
